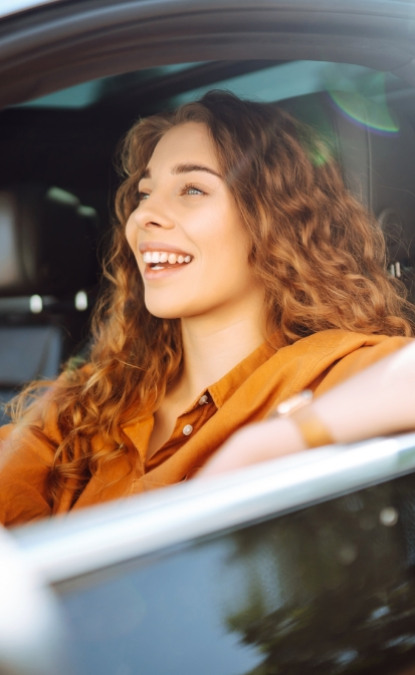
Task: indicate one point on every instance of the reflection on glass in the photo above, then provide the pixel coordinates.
(329, 589)
(338, 592)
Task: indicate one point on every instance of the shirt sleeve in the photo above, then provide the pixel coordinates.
(25, 462)
(358, 360)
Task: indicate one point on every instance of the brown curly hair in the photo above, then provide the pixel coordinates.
(319, 254)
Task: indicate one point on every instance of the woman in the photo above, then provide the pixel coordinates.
(242, 272)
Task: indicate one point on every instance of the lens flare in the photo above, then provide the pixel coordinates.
(364, 102)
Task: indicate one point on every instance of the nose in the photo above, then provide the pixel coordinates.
(153, 211)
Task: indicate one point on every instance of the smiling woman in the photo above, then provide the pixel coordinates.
(187, 217)
(242, 273)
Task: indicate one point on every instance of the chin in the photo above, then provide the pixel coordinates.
(169, 308)
(162, 312)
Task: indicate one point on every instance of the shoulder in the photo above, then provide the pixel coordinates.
(357, 352)
(5, 431)
(346, 341)
(320, 351)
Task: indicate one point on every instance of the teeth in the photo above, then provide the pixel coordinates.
(156, 257)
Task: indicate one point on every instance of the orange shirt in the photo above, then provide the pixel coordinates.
(246, 394)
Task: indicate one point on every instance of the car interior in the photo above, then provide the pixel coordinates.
(57, 186)
(221, 578)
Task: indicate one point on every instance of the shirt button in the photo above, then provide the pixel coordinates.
(187, 430)
(203, 399)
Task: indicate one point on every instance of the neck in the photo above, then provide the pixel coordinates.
(210, 352)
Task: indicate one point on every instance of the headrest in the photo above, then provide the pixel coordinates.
(47, 242)
(376, 151)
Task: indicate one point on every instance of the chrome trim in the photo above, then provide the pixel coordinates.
(94, 538)
(32, 638)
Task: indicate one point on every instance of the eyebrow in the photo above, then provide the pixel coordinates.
(185, 168)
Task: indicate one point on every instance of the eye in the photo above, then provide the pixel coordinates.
(192, 190)
(141, 196)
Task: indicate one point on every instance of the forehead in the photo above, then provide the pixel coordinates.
(189, 142)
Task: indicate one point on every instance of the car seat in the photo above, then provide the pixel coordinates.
(48, 269)
(375, 147)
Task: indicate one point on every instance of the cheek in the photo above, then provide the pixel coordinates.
(131, 234)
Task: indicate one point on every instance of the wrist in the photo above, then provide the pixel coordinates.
(301, 412)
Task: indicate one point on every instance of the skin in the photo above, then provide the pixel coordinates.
(193, 212)
(185, 207)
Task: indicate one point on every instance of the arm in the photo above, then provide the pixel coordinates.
(377, 401)
(27, 451)
(24, 467)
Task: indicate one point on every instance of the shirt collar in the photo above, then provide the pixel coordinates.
(221, 390)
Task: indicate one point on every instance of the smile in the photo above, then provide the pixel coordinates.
(159, 259)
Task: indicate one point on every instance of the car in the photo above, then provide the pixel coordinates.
(301, 565)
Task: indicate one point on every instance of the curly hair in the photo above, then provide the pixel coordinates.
(319, 254)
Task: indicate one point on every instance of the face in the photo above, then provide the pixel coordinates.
(187, 235)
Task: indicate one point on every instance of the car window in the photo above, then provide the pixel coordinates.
(15, 6)
(266, 82)
(61, 149)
